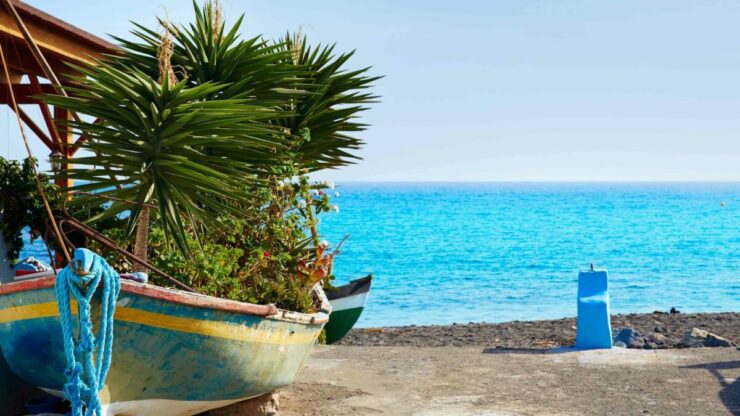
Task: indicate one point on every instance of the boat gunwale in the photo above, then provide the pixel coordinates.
(354, 287)
(180, 297)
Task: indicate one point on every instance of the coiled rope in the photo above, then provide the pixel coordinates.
(86, 371)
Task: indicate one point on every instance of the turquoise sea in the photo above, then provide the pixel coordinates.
(493, 252)
(460, 252)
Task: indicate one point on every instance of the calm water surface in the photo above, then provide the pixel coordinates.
(444, 253)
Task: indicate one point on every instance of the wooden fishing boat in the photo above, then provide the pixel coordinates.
(347, 303)
(174, 354)
(14, 392)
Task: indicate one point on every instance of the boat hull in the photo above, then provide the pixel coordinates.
(173, 354)
(14, 392)
(347, 304)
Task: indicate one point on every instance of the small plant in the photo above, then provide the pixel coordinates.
(266, 257)
(20, 204)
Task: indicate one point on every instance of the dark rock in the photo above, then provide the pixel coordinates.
(717, 341)
(674, 311)
(630, 337)
(661, 329)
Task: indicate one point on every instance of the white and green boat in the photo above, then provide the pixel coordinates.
(347, 304)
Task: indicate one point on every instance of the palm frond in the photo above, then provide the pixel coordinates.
(167, 145)
(334, 99)
(251, 68)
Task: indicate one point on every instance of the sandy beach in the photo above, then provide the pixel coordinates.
(517, 368)
(466, 381)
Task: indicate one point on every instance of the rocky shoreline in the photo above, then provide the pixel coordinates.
(657, 330)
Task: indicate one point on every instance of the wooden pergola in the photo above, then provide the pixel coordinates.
(37, 47)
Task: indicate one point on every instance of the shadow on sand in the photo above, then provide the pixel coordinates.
(730, 393)
(505, 350)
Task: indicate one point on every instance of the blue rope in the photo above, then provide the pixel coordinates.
(86, 371)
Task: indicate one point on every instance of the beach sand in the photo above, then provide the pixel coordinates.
(510, 369)
(466, 381)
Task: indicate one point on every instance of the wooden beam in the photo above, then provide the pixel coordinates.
(23, 93)
(82, 139)
(76, 145)
(65, 133)
(39, 185)
(37, 53)
(32, 45)
(19, 57)
(35, 128)
(51, 38)
(46, 113)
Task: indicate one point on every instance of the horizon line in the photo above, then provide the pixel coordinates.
(687, 181)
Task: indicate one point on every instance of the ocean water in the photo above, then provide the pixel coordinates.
(494, 252)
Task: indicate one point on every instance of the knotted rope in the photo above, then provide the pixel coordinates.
(86, 371)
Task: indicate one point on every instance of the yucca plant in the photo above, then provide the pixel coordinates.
(333, 99)
(310, 85)
(205, 51)
(229, 116)
(164, 144)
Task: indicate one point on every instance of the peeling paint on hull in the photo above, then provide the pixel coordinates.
(170, 358)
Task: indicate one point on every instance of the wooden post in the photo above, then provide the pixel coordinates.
(61, 117)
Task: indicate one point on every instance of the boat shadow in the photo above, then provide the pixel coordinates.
(730, 393)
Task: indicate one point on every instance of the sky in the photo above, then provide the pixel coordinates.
(509, 90)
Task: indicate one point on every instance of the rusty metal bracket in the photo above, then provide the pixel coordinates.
(91, 233)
